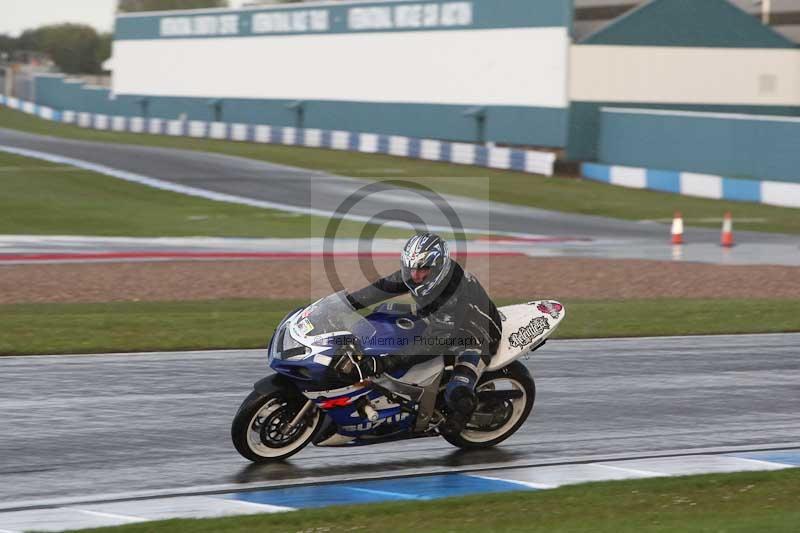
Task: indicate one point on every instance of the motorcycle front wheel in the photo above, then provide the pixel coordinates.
(257, 429)
(492, 423)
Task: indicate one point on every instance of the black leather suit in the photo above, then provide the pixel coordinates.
(459, 317)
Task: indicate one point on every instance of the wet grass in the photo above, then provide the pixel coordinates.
(219, 324)
(40, 198)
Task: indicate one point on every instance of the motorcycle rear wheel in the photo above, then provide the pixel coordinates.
(256, 427)
(516, 377)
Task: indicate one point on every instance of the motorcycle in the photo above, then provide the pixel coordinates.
(307, 400)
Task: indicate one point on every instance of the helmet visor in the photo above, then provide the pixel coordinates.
(419, 275)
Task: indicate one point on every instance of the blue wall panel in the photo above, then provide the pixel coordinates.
(517, 160)
(597, 172)
(741, 190)
(664, 180)
(414, 148)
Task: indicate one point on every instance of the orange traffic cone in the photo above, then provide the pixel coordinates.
(727, 231)
(677, 229)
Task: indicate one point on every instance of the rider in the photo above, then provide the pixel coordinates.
(461, 320)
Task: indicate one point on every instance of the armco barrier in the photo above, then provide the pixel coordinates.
(529, 161)
(691, 184)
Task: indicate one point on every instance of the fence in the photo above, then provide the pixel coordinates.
(528, 161)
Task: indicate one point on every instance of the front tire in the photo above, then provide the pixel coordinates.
(256, 427)
(514, 376)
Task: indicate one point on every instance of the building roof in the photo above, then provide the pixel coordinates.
(696, 23)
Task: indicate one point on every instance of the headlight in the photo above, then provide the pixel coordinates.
(288, 341)
(286, 347)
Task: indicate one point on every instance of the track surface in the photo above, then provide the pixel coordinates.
(18, 249)
(293, 187)
(92, 425)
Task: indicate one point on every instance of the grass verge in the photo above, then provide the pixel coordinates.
(731, 503)
(41, 198)
(567, 195)
(155, 326)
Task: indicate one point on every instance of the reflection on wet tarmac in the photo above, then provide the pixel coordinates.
(161, 422)
(289, 470)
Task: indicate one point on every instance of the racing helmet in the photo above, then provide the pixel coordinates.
(425, 263)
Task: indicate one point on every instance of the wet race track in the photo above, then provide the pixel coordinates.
(91, 427)
(99, 427)
(290, 188)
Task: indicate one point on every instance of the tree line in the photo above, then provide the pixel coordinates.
(79, 48)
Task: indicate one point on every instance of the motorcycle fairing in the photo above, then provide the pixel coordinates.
(525, 327)
(419, 384)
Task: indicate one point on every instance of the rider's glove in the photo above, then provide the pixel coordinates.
(359, 370)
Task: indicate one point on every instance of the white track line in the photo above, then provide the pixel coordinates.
(402, 495)
(264, 507)
(115, 516)
(647, 473)
(773, 464)
(540, 486)
(227, 198)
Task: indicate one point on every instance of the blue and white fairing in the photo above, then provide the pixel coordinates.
(306, 342)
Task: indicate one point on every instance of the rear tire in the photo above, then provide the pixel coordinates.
(516, 375)
(255, 427)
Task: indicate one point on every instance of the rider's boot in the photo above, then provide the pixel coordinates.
(460, 394)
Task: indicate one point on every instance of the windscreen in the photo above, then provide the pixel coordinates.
(333, 314)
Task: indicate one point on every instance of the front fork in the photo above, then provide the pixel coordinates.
(289, 426)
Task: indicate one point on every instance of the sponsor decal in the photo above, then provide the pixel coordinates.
(421, 15)
(301, 20)
(305, 326)
(403, 16)
(204, 25)
(365, 426)
(323, 360)
(335, 402)
(550, 308)
(526, 334)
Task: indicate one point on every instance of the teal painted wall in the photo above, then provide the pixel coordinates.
(584, 121)
(523, 126)
(760, 149)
